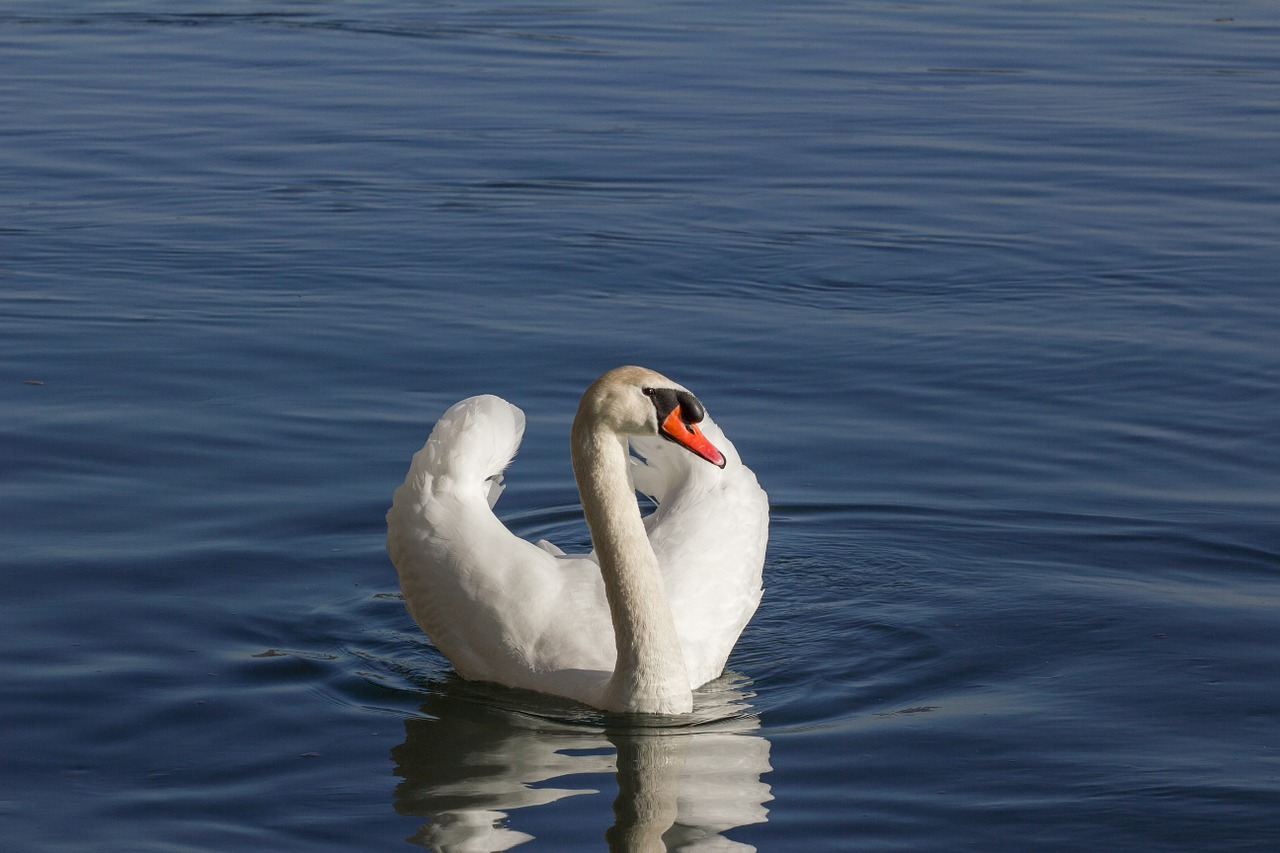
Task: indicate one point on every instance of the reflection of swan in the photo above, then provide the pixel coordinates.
(651, 614)
(469, 763)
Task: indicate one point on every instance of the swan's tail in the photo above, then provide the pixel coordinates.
(474, 441)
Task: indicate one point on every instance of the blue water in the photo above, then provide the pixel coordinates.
(987, 294)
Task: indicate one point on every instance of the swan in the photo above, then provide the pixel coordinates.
(650, 614)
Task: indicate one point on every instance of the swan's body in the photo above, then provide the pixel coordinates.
(651, 614)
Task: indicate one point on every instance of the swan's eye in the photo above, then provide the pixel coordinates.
(648, 392)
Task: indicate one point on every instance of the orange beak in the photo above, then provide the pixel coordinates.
(691, 438)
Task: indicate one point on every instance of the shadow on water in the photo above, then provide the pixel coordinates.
(479, 753)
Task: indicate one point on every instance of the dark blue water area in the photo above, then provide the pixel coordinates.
(986, 294)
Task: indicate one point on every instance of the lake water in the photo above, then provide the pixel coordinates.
(987, 294)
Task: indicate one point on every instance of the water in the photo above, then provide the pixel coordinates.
(985, 294)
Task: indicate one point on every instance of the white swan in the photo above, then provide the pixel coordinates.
(636, 625)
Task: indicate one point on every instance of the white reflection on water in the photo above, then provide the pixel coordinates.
(472, 760)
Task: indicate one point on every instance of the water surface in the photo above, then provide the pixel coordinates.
(985, 295)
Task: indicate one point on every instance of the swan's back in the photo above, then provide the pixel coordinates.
(709, 532)
(492, 603)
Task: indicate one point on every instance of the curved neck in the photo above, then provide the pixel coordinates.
(650, 674)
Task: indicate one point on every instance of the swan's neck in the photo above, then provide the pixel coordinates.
(650, 673)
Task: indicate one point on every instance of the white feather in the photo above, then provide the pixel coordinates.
(505, 610)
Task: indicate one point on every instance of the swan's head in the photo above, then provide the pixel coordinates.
(639, 401)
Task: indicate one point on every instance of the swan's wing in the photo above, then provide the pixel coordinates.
(498, 607)
(709, 532)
